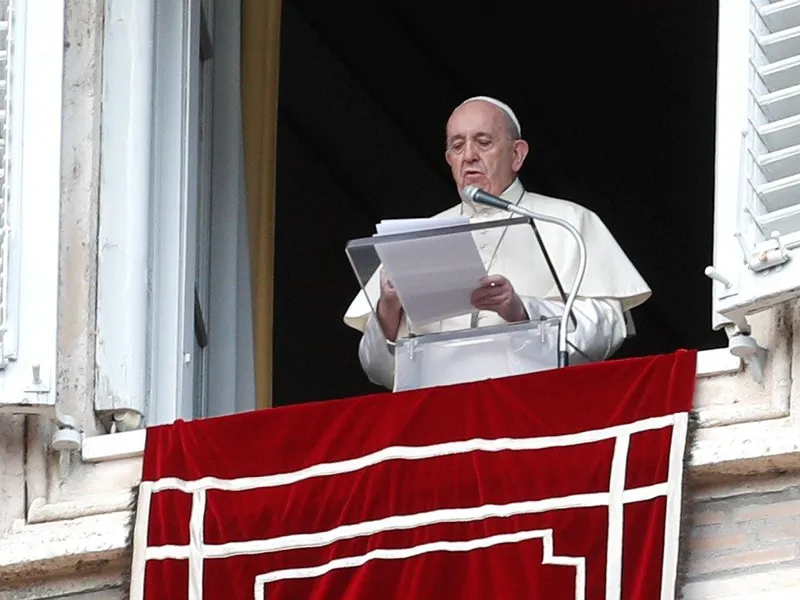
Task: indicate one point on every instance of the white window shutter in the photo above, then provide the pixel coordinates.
(757, 214)
(6, 344)
(32, 71)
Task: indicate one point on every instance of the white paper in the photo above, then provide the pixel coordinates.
(395, 226)
(434, 276)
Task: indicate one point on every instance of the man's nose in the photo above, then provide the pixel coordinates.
(470, 151)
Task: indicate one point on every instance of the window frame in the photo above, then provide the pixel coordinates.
(147, 273)
(202, 277)
(125, 211)
(176, 136)
(148, 204)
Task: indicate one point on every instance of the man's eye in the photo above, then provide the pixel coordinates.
(484, 143)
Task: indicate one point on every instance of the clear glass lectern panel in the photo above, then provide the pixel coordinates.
(436, 270)
(485, 353)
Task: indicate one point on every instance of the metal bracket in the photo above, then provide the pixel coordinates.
(743, 345)
(762, 257)
(740, 343)
(728, 288)
(713, 274)
(67, 438)
(766, 255)
(37, 383)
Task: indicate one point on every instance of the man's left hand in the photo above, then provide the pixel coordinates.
(497, 294)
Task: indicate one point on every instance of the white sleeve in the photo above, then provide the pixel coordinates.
(600, 328)
(375, 356)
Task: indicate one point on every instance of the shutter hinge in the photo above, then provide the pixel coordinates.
(742, 344)
(740, 341)
(38, 401)
(766, 255)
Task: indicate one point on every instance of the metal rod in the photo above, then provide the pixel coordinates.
(552, 268)
(563, 354)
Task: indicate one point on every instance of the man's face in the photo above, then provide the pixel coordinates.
(481, 150)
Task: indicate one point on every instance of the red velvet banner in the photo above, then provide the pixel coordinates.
(557, 485)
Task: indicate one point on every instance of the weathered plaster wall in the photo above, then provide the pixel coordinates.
(12, 471)
(79, 207)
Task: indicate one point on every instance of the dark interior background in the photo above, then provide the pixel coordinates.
(615, 98)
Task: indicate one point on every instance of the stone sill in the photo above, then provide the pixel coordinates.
(743, 448)
(35, 550)
(113, 446)
(771, 443)
(130, 444)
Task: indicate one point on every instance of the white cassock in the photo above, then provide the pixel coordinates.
(611, 285)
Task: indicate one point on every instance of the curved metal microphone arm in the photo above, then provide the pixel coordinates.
(573, 292)
(470, 192)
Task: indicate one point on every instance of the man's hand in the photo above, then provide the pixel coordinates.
(390, 309)
(497, 294)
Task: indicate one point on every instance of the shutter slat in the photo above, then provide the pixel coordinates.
(781, 15)
(780, 134)
(780, 164)
(781, 45)
(782, 74)
(781, 104)
(785, 221)
(783, 193)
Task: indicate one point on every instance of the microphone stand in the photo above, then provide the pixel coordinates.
(482, 197)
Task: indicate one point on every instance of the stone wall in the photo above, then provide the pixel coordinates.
(745, 539)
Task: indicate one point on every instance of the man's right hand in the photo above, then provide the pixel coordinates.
(390, 309)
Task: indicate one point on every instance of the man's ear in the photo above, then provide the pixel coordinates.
(520, 152)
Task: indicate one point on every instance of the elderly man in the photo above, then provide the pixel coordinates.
(485, 149)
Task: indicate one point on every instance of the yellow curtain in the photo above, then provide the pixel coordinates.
(260, 49)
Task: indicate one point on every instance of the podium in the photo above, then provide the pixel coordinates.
(475, 354)
(471, 346)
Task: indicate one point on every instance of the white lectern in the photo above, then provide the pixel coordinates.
(475, 354)
(426, 356)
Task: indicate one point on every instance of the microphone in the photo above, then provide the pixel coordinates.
(475, 194)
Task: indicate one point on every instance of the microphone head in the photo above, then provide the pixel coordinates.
(468, 192)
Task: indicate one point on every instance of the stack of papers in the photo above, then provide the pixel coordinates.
(434, 276)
